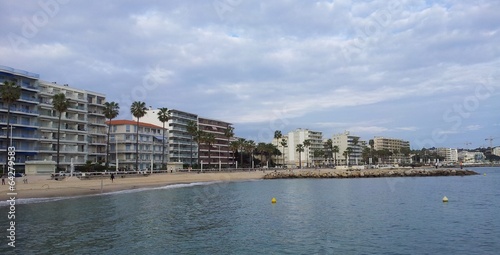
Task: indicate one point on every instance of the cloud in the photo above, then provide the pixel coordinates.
(331, 65)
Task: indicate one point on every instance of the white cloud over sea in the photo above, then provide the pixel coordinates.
(425, 71)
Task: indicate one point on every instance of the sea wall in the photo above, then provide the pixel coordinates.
(373, 173)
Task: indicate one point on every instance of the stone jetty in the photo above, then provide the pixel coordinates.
(368, 173)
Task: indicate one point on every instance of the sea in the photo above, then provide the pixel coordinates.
(403, 215)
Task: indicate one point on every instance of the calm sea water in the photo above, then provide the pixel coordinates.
(325, 216)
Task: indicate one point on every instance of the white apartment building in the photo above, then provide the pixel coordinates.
(296, 137)
(180, 147)
(123, 145)
(496, 151)
(471, 156)
(449, 154)
(35, 122)
(346, 140)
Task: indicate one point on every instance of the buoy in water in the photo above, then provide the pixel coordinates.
(273, 200)
(484, 174)
(445, 199)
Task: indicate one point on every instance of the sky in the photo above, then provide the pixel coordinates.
(423, 71)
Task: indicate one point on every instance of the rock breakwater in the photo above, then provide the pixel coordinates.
(373, 173)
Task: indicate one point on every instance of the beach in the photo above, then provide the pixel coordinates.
(44, 187)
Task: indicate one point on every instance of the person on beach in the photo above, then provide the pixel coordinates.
(3, 179)
(112, 177)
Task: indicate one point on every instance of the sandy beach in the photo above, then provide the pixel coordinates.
(44, 187)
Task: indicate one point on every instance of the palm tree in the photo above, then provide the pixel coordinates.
(241, 143)
(307, 144)
(355, 141)
(192, 129)
(229, 133)
(284, 145)
(111, 110)
(329, 148)
(335, 150)
(209, 140)
(138, 109)
(10, 93)
(347, 153)
(249, 147)
(299, 149)
(234, 146)
(163, 116)
(60, 104)
(371, 142)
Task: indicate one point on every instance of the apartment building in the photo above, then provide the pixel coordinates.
(123, 145)
(23, 131)
(307, 158)
(220, 152)
(346, 140)
(394, 145)
(449, 154)
(35, 122)
(179, 142)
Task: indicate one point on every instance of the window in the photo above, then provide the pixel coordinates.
(127, 147)
(127, 128)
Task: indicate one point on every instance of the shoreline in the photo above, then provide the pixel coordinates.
(39, 187)
(43, 187)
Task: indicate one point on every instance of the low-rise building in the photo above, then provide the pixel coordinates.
(123, 150)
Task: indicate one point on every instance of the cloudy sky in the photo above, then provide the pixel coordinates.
(423, 71)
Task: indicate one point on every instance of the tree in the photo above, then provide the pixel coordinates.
(329, 149)
(234, 146)
(307, 144)
(229, 133)
(355, 142)
(163, 116)
(111, 111)
(192, 130)
(10, 93)
(209, 139)
(241, 144)
(347, 153)
(138, 110)
(284, 145)
(249, 147)
(60, 104)
(335, 150)
(318, 153)
(371, 142)
(299, 149)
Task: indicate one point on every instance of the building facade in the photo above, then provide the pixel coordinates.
(449, 154)
(180, 145)
(123, 145)
(305, 158)
(23, 130)
(219, 154)
(35, 122)
(396, 146)
(344, 141)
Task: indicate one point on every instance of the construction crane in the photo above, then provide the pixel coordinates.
(491, 141)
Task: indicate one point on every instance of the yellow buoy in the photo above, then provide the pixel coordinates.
(273, 200)
(484, 174)
(445, 199)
